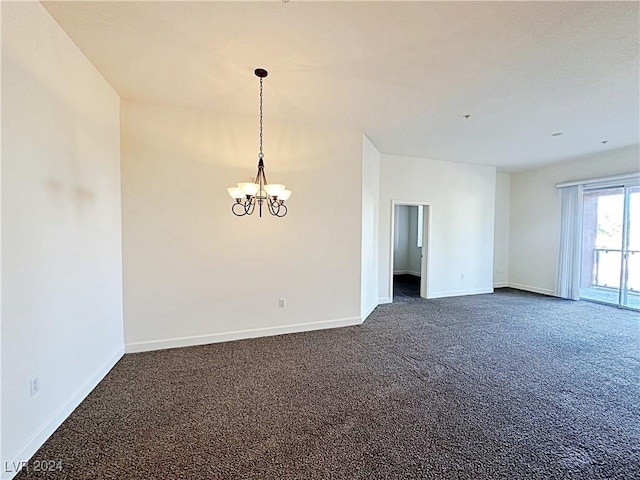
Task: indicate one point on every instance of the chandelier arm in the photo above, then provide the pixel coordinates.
(242, 213)
(272, 208)
(281, 207)
(277, 208)
(249, 206)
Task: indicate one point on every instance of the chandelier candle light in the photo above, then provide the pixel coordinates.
(260, 191)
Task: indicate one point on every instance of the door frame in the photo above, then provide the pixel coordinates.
(625, 184)
(426, 240)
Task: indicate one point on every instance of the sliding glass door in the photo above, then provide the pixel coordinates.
(610, 269)
(630, 292)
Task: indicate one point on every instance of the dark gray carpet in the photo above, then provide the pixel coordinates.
(405, 286)
(504, 386)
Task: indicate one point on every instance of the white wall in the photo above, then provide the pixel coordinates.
(535, 214)
(501, 231)
(462, 221)
(406, 254)
(414, 252)
(61, 246)
(370, 225)
(193, 272)
(401, 239)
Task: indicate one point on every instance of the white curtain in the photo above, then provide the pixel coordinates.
(568, 281)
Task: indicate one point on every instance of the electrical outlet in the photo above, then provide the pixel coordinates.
(462, 276)
(35, 385)
(282, 303)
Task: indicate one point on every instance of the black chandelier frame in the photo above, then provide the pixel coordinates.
(247, 205)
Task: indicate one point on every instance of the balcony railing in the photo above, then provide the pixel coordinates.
(606, 268)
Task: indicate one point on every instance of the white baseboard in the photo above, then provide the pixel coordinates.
(460, 293)
(46, 430)
(384, 300)
(407, 272)
(500, 284)
(134, 347)
(368, 312)
(529, 288)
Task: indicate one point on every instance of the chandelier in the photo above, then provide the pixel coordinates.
(260, 192)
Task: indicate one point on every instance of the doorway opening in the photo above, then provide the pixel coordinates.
(409, 250)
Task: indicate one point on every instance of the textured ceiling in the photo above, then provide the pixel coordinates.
(405, 73)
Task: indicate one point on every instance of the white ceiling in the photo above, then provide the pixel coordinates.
(405, 73)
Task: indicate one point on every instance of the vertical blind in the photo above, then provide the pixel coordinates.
(568, 281)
